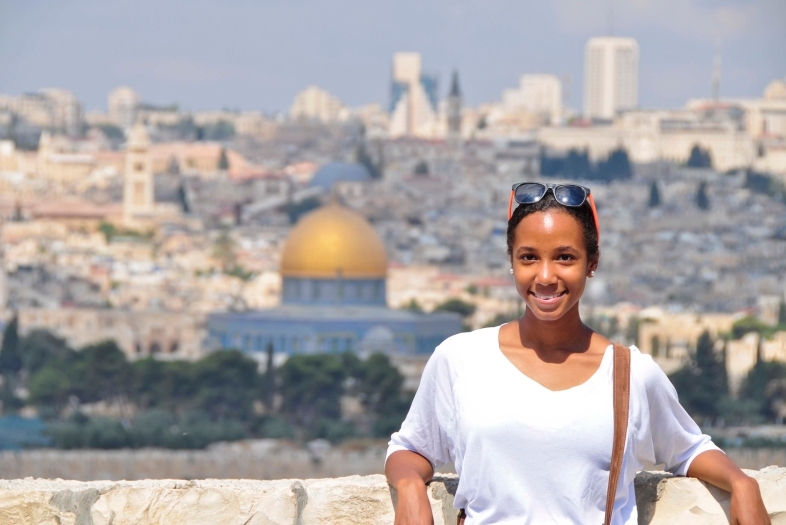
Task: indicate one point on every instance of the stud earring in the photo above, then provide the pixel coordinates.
(511, 271)
(592, 273)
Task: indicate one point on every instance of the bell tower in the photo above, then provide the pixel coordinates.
(454, 112)
(138, 196)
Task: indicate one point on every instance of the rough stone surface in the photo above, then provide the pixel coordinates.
(354, 500)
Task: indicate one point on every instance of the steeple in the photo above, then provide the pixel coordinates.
(455, 91)
(454, 111)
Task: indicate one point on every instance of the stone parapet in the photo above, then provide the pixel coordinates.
(354, 500)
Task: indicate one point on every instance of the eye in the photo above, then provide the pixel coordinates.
(527, 257)
(565, 257)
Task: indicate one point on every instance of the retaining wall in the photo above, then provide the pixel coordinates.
(354, 500)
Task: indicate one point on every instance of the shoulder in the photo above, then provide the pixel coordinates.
(466, 346)
(646, 373)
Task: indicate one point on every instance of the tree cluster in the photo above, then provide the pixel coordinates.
(703, 388)
(576, 165)
(699, 158)
(183, 404)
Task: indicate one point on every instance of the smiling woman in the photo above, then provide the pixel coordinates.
(527, 411)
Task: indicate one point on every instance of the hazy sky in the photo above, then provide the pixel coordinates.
(256, 54)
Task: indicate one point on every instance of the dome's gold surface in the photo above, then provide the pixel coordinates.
(333, 241)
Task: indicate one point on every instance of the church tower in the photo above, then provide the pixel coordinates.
(454, 111)
(138, 196)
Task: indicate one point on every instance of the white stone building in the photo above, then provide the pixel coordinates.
(611, 76)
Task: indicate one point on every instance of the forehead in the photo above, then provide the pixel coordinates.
(551, 226)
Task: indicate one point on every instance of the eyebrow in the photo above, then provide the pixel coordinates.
(560, 249)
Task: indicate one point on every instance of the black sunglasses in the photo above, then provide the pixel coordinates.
(571, 195)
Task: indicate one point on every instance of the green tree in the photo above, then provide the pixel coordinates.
(223, 161)
(616, 167)
(108, 229)
(10, 357)
(702, 384)
(228, 384)
(421, 169)
(654, 195)
(224, 251)
(413, 306)
(702, 200)
(41, 348)
(500, 319)
(99, 372)
(577, 165)
(50, 387)
(311, 388)
(362, 157)
(458, 306)
(747, 325)
(699, 158)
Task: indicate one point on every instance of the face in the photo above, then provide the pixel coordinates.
(550, 263)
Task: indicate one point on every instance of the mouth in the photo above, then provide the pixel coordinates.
(548, 299)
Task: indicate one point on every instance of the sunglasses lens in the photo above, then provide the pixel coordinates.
(570, 195)
(530, 192)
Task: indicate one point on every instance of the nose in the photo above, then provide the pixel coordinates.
(546, 275)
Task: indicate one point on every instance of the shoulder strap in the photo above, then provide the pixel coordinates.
(621, 402)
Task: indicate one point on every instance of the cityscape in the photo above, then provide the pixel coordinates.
(199, 279)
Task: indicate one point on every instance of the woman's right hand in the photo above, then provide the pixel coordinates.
(413, 507)
(408, 472)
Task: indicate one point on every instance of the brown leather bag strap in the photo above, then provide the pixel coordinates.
(621, 403)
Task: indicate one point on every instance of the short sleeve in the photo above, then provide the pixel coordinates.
(676, 439)
(425, 428)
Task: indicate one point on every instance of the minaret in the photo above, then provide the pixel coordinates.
(138, 196)
(454, 112)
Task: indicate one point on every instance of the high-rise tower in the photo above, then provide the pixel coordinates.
(611, 76)
(413, 94)
(138, 196)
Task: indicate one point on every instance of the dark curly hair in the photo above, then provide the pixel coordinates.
(582, 214)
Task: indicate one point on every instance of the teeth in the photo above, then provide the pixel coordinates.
(547, 297)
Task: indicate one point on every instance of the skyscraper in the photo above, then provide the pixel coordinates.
(611, 76)
(413, 97)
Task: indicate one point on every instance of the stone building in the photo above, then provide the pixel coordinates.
(164, 335)
(334, 299)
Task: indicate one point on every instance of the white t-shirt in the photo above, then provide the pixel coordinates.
(529, 455)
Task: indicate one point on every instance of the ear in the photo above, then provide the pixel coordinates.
(592, 264)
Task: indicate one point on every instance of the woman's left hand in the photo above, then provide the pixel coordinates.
(747, 506)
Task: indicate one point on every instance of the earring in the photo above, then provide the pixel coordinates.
(511, 271)
(592, 273)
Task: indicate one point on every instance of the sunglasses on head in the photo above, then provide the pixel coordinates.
(571, 195)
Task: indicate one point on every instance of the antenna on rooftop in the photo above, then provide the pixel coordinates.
(716, 71)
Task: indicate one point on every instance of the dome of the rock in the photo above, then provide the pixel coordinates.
(332, 242)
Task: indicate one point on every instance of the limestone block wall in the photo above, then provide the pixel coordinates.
(354, 500)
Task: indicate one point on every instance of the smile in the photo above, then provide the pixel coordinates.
(550, 297)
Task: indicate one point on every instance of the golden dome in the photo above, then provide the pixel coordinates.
(334, 241)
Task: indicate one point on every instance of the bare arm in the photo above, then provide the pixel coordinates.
(747, 506)
(408, 472)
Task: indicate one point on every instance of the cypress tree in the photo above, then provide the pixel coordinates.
(10, 356)
(654, 195)
(223, 161)
(702, 200)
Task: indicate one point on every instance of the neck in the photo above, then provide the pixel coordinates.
(566, 334)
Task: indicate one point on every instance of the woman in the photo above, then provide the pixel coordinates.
(524, 410)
